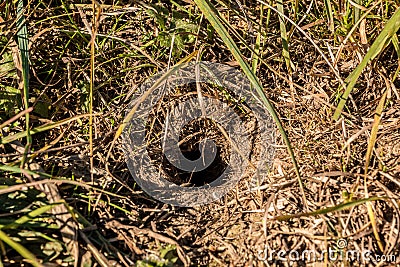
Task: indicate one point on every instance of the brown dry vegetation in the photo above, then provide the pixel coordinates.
(120, 225)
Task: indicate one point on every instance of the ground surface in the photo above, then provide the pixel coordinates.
(114, 222)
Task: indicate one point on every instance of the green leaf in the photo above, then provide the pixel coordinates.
(380, 43)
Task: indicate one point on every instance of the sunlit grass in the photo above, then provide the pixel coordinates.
(71, 98)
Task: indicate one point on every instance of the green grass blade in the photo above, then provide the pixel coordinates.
(396, 45)
(40, 129)
(328, 6)
(268, 17)
(162, 79)
(24, 186)
(391, 27)
(19, 170)
(31, 215)
(342, 206)
(20, 249)
(284, 36)
(22, 37)
(257, 45)
(357, 11)
(374, 130)
(371, 145)
(211, 14)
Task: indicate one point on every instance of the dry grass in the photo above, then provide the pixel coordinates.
(118, 223)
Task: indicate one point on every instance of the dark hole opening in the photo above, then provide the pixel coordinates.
(190, 137)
